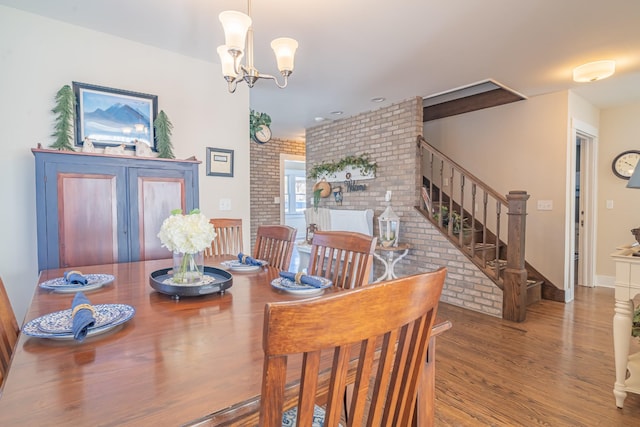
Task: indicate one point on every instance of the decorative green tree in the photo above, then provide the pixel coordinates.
(163, 126)
(65, 112)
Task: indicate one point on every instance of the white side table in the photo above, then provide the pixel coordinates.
(389, 259)
(627, 287)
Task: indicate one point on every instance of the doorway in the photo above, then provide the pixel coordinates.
(583, 211)
(293, 187)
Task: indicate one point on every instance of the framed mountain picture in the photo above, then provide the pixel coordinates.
(113, 117)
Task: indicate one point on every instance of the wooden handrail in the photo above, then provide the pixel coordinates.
(478, 233)
(422, 143)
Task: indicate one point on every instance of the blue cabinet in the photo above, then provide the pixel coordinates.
(99, 209)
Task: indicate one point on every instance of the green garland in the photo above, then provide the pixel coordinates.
(361, 162)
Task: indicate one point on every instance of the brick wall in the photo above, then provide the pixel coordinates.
(388, 136)
(265, 180)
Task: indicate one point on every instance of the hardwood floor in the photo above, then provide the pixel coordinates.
(554, 369)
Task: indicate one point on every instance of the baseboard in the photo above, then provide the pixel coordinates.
(606, 281)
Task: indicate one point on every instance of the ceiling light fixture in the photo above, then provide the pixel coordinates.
(237, 30)
(593, 71)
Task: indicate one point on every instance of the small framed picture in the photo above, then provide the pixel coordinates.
(426, 199)
(219, 162)
(112, 117)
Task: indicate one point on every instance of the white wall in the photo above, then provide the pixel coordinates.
(531, 141)
(619, 131)
(518, 146)
(38, 56)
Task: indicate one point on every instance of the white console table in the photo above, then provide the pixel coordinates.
(627, 287)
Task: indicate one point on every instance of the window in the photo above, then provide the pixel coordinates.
(295, 187)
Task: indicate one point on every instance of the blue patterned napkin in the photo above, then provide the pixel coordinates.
(246, 259)
(82, 314)
(74, 277)
(303, 279)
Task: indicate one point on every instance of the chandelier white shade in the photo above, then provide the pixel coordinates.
(235, 25)
(237, 34)
(285, 50)
(593, 71)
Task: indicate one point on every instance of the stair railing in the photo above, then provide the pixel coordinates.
(470, 214)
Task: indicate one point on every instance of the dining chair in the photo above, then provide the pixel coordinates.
(9, 331)
(391, 323)
(344, 257)
(228, 240)
(274, 243)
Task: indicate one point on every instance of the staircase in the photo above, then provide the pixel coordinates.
(485, 226)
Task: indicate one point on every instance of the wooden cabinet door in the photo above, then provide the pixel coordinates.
(88, 224)
(156, 193)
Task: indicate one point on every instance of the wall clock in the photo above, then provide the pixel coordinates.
(259, 127)
(263, 134)
(625, 163)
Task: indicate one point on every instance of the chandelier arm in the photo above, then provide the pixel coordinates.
(232, 85)
(275, 80)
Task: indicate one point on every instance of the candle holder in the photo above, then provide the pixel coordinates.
(311, 230)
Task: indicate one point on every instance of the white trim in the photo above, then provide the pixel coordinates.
(606, 281)
(588, 194)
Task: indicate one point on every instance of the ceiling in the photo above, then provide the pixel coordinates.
(354, 50)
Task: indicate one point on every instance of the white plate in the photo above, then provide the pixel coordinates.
(57, 325)
(94, 281)
(236, 265)
(292, 287)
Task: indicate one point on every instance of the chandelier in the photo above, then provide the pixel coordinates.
(237, 30)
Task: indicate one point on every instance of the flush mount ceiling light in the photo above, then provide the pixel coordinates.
(237, 30)
(593, 71)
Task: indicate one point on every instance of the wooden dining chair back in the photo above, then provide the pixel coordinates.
(228, 240)
(344, 257)
(274, 243)
(390, 321)
(9, 331)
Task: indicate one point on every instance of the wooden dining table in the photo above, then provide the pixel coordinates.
(176, 362)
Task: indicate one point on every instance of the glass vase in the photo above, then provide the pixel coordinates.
(188, 268)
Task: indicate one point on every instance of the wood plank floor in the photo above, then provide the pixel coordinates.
(554, 369)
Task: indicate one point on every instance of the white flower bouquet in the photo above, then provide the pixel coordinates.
(187, 236)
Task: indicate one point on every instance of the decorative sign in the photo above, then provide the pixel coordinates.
(354, 186)
(354, 173)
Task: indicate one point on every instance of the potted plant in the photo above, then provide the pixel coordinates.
(458, 222)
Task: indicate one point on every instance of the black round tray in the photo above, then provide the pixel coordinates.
(223, 281)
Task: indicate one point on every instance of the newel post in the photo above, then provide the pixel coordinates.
(514, 299)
